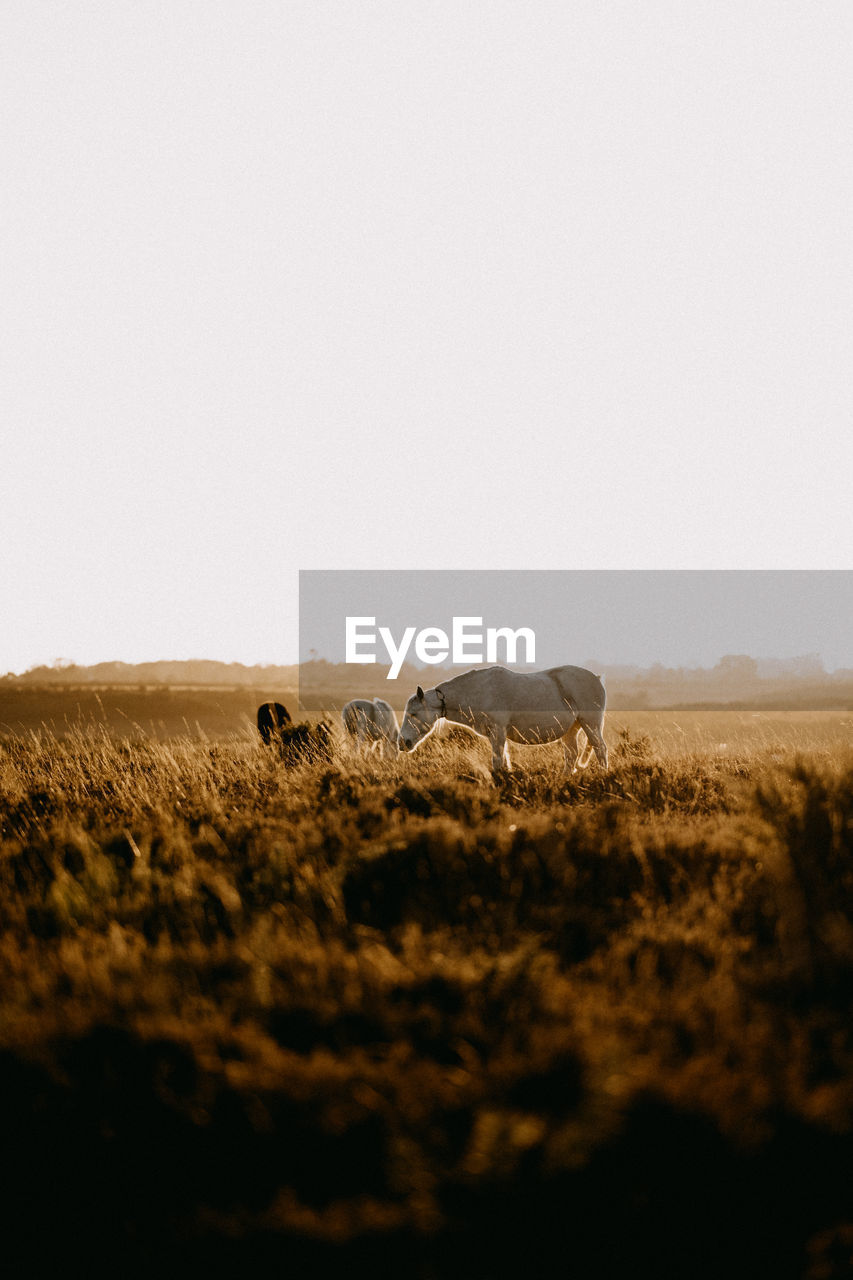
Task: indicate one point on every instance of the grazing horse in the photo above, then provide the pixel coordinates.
(372, 722)
(272, 717)
(526, 707)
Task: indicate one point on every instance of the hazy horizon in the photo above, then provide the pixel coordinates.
(410, 662)
(679, 619)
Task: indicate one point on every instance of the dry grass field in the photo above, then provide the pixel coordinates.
(300, 1018)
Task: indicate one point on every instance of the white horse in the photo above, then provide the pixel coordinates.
(530, 708)
(372, 722)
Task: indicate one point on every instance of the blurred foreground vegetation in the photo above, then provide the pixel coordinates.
(389, 1014)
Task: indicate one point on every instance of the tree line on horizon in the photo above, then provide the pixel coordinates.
(735, 678)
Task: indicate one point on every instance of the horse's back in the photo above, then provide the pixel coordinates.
(497, 690)
(386, 717)
(356, 714)
(374, 719)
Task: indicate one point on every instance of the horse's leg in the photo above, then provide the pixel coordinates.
(500, 749)
(570, 749)
(596, 740)
(586, 754)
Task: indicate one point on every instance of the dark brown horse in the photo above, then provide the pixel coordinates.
(272, 717)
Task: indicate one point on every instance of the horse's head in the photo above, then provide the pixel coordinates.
(423, 712)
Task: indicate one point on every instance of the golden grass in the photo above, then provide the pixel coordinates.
(387, 1013)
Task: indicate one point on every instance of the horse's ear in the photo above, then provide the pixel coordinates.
(420, 694)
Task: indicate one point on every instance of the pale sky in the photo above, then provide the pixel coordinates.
(411, 285)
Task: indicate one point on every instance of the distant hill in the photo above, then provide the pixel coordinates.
(737, 681)
(195, 671)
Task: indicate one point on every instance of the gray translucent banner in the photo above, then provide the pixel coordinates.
(364, 633)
